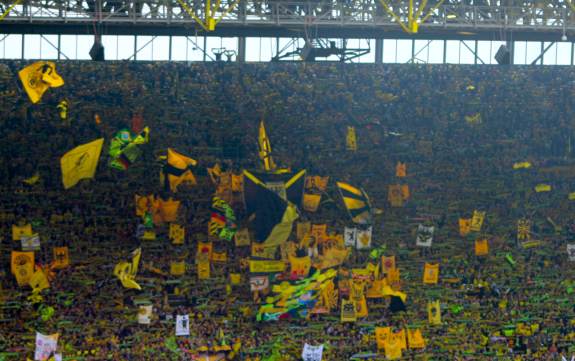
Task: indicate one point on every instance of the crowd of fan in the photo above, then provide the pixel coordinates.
(414, 114)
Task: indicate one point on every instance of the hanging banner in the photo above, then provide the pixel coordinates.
(182, 325)
(242, 238)
(481, 247)
(350, 236)
(312, 353)
(431, 273)
(203, 269)
(31, 242)
(363, 239)
(145, 315)
(347, 311)
(259, 283)
(571, 252)
(45, 346)
(477, 221)
(424, 236)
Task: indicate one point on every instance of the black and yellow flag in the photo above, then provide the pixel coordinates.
(274, 214)
(80, 163)
(357, 203)
(265, 149)
(178, 170)
(38, 77)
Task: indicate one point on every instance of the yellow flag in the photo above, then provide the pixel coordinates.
(316, 184)
(126, 271)
(392, 349)
(434, 313)
(311, 202)
(347, 311)
(381, 336)
(415, 339)
(166, 210)
(38, 77)
(299, 266)
(477, 221)
(260, 266)
(22, 266)
(393, 275)
(38, 281)
(522, 165)
(431, 273)
(351, 139)
(542, 188)
(265, 149)
(242, 237)
(319, 232)
(178, 170)
(80, 162)
(203, 269)
(235, 278)
(387, 263)
(481, 247)
(302, 228)
(260, 250)
(61, 257)
(237, 183)
(219, 256)
(464, 226)
(177, 268)
(177, 234)
(571, 196)
(19, 231)
(205, 250)
(400, 170)
(395, 196)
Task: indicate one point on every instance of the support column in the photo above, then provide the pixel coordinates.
(511, 47)
(170, 48)
(241, 49)
(378, 51)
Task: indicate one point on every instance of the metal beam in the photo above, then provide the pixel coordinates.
(354, 20)
(542, 53)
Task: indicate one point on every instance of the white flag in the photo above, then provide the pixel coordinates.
(350, 235)
(45, 346)
(424, 236)
(182, 325)
(145, 315)
(571, 252)
(312, 353)
(363, 240)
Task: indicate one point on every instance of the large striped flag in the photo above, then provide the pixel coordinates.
(357, 203)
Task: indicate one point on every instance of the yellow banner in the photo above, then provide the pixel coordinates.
(260, 250)
(464, 226)
(177, 234)
(61, 257)
(19, 231)
(257, 266)
(347, 311)
(22, 266)
(481, 247)
(351, 139)
(434, 313)
(477, 221)
(311, 202)
(203, 269)
(400, 170)
(178, 268)
(431, 273)
(299, 267)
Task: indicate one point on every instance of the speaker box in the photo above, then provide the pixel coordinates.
(97, 51)
(503, 56)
